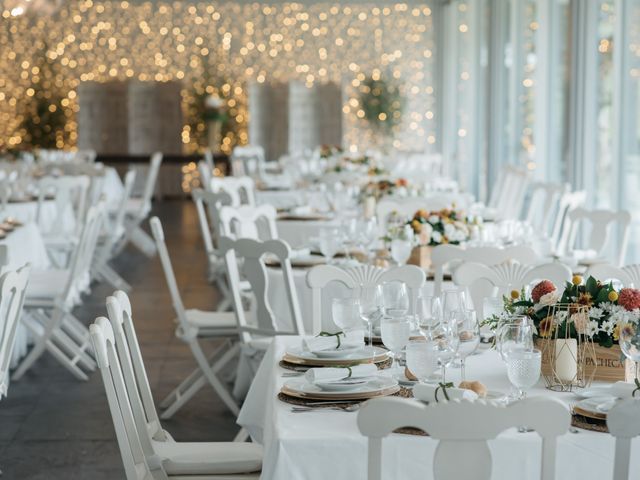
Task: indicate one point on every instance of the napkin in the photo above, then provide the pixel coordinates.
(427, 393)
(300, 253)
(314, 375)
(306, 210)
(622, 389)
(350, 338)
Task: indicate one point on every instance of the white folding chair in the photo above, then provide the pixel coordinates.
(569, 201)
(205, 175)
(145, 458)
(50, 298)
(247, 221)
(623, 421)
(601, 223)
(544, 200)
(138, 210)
(240, 189)
(248, 160)
(504, 277)
(5, 194)
(509, 191)
(356, 278)
(463, 426)
(193, 326)
(12, 291)
(628, 276)
(449, 255)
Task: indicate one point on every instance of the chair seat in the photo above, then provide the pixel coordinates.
(202, 458)
(134, 207)
(47, 283)
(61, 241)
(261, 344)
(205, 319)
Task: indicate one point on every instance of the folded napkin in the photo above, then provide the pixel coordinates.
(330, 342)
(427, 393)
(305, 210)
(300, 253)
(314, 375)
(623, 390)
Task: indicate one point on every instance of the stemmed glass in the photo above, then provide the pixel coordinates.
(429, 313)
(515, 334)
(396, 332)
(370, 302)
(329, 243)
(395, 299)
(421, 359)
(401, 246)
(630, 343)
(346, 313)
(367, 233)
(469, 336)
(452, 301)
(514, 341)
(523, 370)
(446, 338)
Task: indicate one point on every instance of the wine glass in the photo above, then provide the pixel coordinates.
(346, 313)
(491, 306)
(469, 337)
(395, 299)
(515, 334)
(395, 332)
(445, 336)
(401, 250)
(367, 233)
(523, 370)
(629, 340)
(350, 229)
(370, 303)
(329, 243)
(421, 359)
(453, 300)
(429, 312)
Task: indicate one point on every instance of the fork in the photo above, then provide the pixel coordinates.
(348, 408)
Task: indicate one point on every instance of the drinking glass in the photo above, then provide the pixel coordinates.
(469, 337)
(367, 233)
(630, 341)
(516, 334)
(491, 306)
(395, 299)
(429, 313)
(401, 250)
(370, 306)
(452, 301)
(329, 243)
(421, 359)
(523, 370)
(346, 313)
(446, 338)
(396, 332)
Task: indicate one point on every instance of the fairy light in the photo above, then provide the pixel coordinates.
(103, 41)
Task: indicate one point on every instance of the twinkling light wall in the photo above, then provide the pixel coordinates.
(219, 47)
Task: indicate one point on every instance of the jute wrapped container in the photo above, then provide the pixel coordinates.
(421, 257)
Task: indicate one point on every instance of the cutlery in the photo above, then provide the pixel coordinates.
(348, 408)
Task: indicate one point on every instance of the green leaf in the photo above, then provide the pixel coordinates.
(592, 287)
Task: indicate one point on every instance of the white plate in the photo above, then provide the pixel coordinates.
(371, 386)
(342, 385)
(361, 354)
(597, 405)
(599, 391)
(337, 353)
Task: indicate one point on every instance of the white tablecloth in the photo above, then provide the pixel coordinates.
(327, 444)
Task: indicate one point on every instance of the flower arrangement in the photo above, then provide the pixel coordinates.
(328, 151)
(440, 227)
(608, 312)
(215, 109)
(383, 188)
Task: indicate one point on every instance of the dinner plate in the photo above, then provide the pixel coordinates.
(595, 407)
(343, 385)
(598, 391)
(374, 387)
(311, 217)
(341, 352)
(364, 355)
(299, 262)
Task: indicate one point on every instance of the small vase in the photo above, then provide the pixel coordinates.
(421, 257)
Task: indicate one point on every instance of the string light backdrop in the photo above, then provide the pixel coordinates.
(217, 48)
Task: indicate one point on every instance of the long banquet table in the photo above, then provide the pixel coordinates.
(324, 444)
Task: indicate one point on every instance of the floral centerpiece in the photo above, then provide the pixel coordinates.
(440, 227)
(383, 188)
(329, 151)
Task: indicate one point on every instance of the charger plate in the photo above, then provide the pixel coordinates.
(312, 217)
(298, 357)
(376, 387)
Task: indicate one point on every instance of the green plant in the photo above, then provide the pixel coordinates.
(382, 104)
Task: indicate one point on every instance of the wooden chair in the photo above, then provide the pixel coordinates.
(145, 458)
(623, 422)
(628, 276)
(462, 426)
(194, 326)
(504, 277)
(358, 277)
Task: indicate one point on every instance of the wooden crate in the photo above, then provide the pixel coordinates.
(421, 257)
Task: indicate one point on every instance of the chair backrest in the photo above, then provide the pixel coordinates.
(150, 185)
(135, 375)
(463, 429)
(71, 193)
(208, 206)
(135, 461)
(5, 194)
(248, 160)
(245, 221)
(601, 223)
(252, 255)
(176, 300)
(129, 181)
(623, 421)
(569, 201)
(544, 200)
(205, 174)
(208, 159)
(509, 192)
(356, 278)
(406, 208)
(628, 276)
(504, 277)
(240, 189)
(12, 290)
(443, 255)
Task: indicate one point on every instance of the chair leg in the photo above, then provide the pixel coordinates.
(113, 278)
(241, 436)
(79, 354)
(211, 376)
(142, 241)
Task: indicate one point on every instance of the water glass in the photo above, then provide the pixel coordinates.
(395, 299)
(516, 334)
(429, 313)
(370, 308)
(395, 335)
(401, 250)
(469, 336)
(421, 359)
(523, 369)
(346, 313)
(447, 341)
(329, 243)
(452, 301)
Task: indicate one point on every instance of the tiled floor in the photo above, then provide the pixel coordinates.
(54, 427)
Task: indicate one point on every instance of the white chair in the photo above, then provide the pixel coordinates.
(50, 298)
(445, 255)
(205, 174)
(601, 223)
(503, 278)
(138, 210)
(406, 208)
(623, 421)
(463, 429)
(145, 458)
(193, 326)
(240, 189)
(12, 290)
(358, 277)
(5, 194)
(544, 201)
(569, 201)
(509, 192)
(628, 276)
(248, 160)
(246, 221)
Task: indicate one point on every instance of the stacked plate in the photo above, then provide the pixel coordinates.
(339, 357)
(347, 389)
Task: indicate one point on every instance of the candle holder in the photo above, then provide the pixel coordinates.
(566, 347)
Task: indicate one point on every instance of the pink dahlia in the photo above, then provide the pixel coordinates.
(542, 289)
(629, 298)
